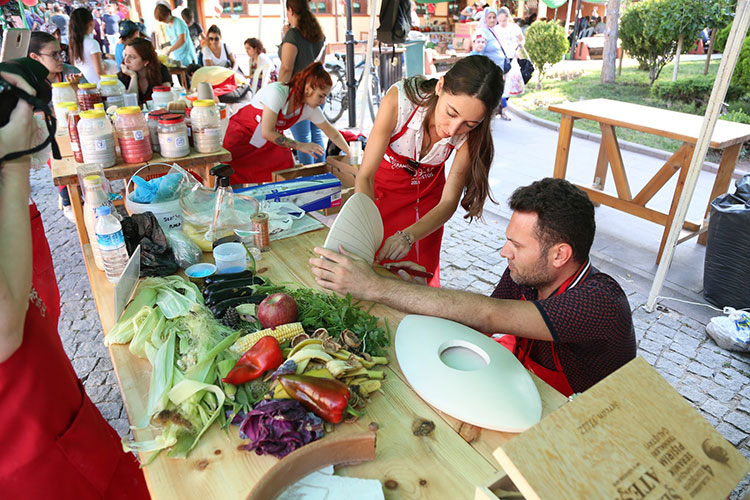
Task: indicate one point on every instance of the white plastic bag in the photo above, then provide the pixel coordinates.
(731, 332)
(514, 79)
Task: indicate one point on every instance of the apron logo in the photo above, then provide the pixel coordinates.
(35, 299)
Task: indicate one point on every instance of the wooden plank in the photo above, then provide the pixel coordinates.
(625, 206)
(630, 436)
(675, 199)
(662, 122)
(74, 192)
(723, 177)
(609, 138)
(602, 162)
(563, 147)
(661, 177)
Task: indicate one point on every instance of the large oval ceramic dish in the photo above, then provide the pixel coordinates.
(358, 228)
(466, 374)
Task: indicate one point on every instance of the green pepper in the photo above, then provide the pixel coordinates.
(326, 398)
(263, 356)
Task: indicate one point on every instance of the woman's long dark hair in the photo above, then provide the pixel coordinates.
(308, 25)
(77, 28)
(473, 76)
(38, 40)
(146, 52)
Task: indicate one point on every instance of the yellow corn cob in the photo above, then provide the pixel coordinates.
(282, 333)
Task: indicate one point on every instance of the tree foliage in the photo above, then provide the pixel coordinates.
(741, 75)
(546, 44)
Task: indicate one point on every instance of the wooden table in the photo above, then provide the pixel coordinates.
(448, 463)
(181, 73)
(728, 136)
(64, 173)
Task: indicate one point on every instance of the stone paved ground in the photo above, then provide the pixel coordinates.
(716, 382)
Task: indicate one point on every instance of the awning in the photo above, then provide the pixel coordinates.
(595, 1)
(555, 4)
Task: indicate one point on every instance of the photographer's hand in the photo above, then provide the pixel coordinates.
(17, 134)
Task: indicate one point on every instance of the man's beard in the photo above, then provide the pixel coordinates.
(536, 277)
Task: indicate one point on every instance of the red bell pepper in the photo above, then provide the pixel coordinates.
(325, 397)
(263, 356)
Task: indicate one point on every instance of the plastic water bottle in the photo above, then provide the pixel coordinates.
(111, 243)
(95, 197)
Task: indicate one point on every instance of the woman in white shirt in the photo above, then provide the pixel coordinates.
(511, 39)
(255, 133)
(262, 69)
(83, 50)
(216, 53)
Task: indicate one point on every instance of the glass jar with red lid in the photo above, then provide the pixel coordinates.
(133, 135)
(88, 95)
(173, 136)
(153, 127)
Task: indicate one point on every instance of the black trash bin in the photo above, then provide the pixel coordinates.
(726, 273)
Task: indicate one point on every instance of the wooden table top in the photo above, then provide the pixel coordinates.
(663, 122)
(434, 466)
(64, 171)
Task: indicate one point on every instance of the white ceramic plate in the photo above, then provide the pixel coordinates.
(358, 228)
(466, 374)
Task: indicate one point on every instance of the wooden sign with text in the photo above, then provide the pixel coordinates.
(630, 437)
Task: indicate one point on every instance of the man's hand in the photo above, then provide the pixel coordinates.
(344, 273)
(17, 134)
(404, 275)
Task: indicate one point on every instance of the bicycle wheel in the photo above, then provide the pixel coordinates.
(336, 99)
(373, 103)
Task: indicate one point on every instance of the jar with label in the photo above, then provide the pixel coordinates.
(206, 128)
(173, 137)
(87, 96)
(162, 96)
(133, 135)
(112, 93)
(97, 138)
(153, 127)
(62, 95)
(75, 144)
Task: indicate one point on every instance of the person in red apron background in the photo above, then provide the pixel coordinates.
(254, 135)
(55, 442)
(564, 320)
(419, 124)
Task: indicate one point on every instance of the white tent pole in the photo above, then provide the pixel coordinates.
(365, 80)
(719, 92)
(567, 16)
(260, 15)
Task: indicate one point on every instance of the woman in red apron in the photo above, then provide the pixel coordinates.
(419, 124)
(254, 136)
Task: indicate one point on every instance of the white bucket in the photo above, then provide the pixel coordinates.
(167, 213)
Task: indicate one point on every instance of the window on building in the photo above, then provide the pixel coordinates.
(321, 7)
(233, 7)
(359, 6)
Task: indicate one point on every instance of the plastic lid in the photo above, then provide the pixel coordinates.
(162, 88)
(93, 113)
(103, 210)
(171, 118)
(129, 110)
(99, 105)
(87, 86)
(60, 85)
(107, 77)
(204, 103)
(66, 104)
(92, 180)
(108, 82)
(71, 106)
(154, 115)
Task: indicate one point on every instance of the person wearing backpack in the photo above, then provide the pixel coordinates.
(419, 124)
(303, 44)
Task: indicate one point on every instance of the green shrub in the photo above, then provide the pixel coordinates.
(720, 42)
(696, 89)
(645, 37)
(737, 116)
(546, 44)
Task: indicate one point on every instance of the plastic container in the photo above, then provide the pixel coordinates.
(111, 243)
(173, 136)
(162, 95)
(199, 272)
(97, 138)
(75, 143)
(153, 127)
(134, 135)
(112, 92)
(62, 95)
(168, 213)
(206, 126)
(230, 258)
(95, 196)
(87, 96)
(130, 99)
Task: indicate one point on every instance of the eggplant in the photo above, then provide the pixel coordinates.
(218, 278)
(232, 284)
(229, 293)
(220, 308)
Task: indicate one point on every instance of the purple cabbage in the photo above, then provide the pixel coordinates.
(279, 426)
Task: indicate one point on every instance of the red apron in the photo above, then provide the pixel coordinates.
(253, 165)
(521, 347)
(55, 443)
(404, 191)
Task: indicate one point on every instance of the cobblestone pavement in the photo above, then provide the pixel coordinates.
(715, 381)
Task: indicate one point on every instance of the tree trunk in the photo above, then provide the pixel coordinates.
(710, 50)
(609, 56)
(677, 58)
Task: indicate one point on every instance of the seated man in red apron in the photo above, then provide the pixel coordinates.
(565, 321)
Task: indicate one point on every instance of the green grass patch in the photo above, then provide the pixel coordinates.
(631, 86)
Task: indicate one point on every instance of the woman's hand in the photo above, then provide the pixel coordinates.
(310, 148)
(127, 71)
(74, 78)
(395, 247)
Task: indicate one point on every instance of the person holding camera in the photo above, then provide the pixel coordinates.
(55, 442)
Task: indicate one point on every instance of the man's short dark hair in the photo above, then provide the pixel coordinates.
(566, 215)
